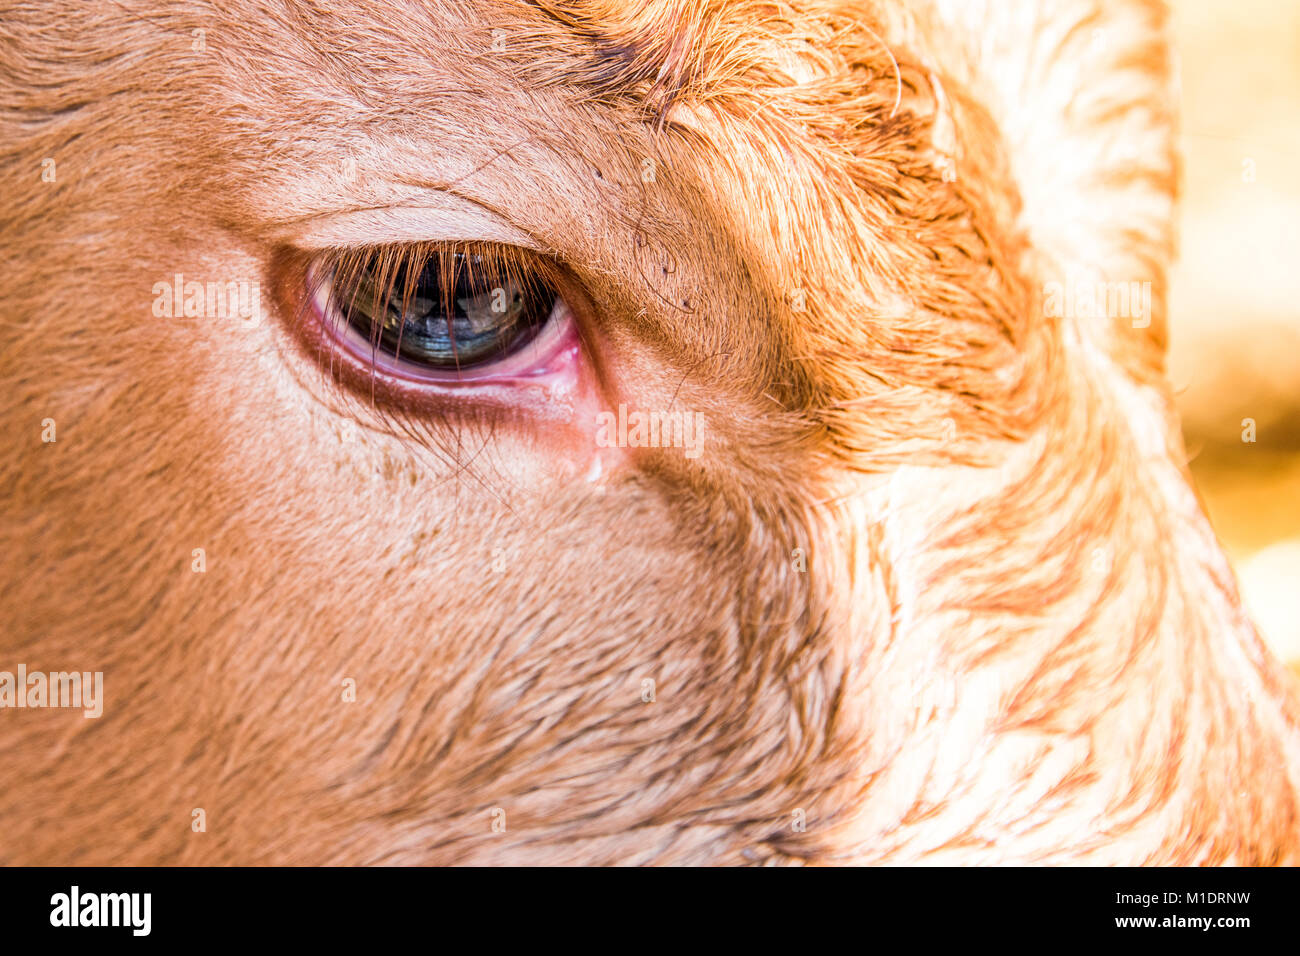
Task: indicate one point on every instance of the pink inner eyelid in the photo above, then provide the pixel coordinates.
(550, 353)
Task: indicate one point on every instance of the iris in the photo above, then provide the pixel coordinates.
(454, 310)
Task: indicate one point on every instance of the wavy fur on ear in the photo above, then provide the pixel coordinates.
(938, 587)
(1082, 93)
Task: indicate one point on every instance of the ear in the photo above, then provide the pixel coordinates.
(1082, 94)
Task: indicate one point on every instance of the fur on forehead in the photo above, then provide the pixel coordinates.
(899, 166)
(1077, 92)
(868, 197)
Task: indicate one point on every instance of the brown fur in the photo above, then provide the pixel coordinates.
(1016, 639)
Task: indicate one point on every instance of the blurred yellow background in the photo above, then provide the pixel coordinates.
(1235, 294)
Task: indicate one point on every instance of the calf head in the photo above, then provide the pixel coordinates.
(924, 580)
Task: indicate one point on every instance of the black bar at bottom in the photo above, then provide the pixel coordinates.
(646, 907)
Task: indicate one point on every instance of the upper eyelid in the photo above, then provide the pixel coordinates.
(320, 269)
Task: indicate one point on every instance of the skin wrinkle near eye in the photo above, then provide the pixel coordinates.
(592, 194)
(390, 187)
(442, 217)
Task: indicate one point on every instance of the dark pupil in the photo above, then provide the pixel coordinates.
(458, 312)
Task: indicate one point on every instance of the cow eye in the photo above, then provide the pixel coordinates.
(437, 311)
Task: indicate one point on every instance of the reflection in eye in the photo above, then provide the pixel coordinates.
(438, 307)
